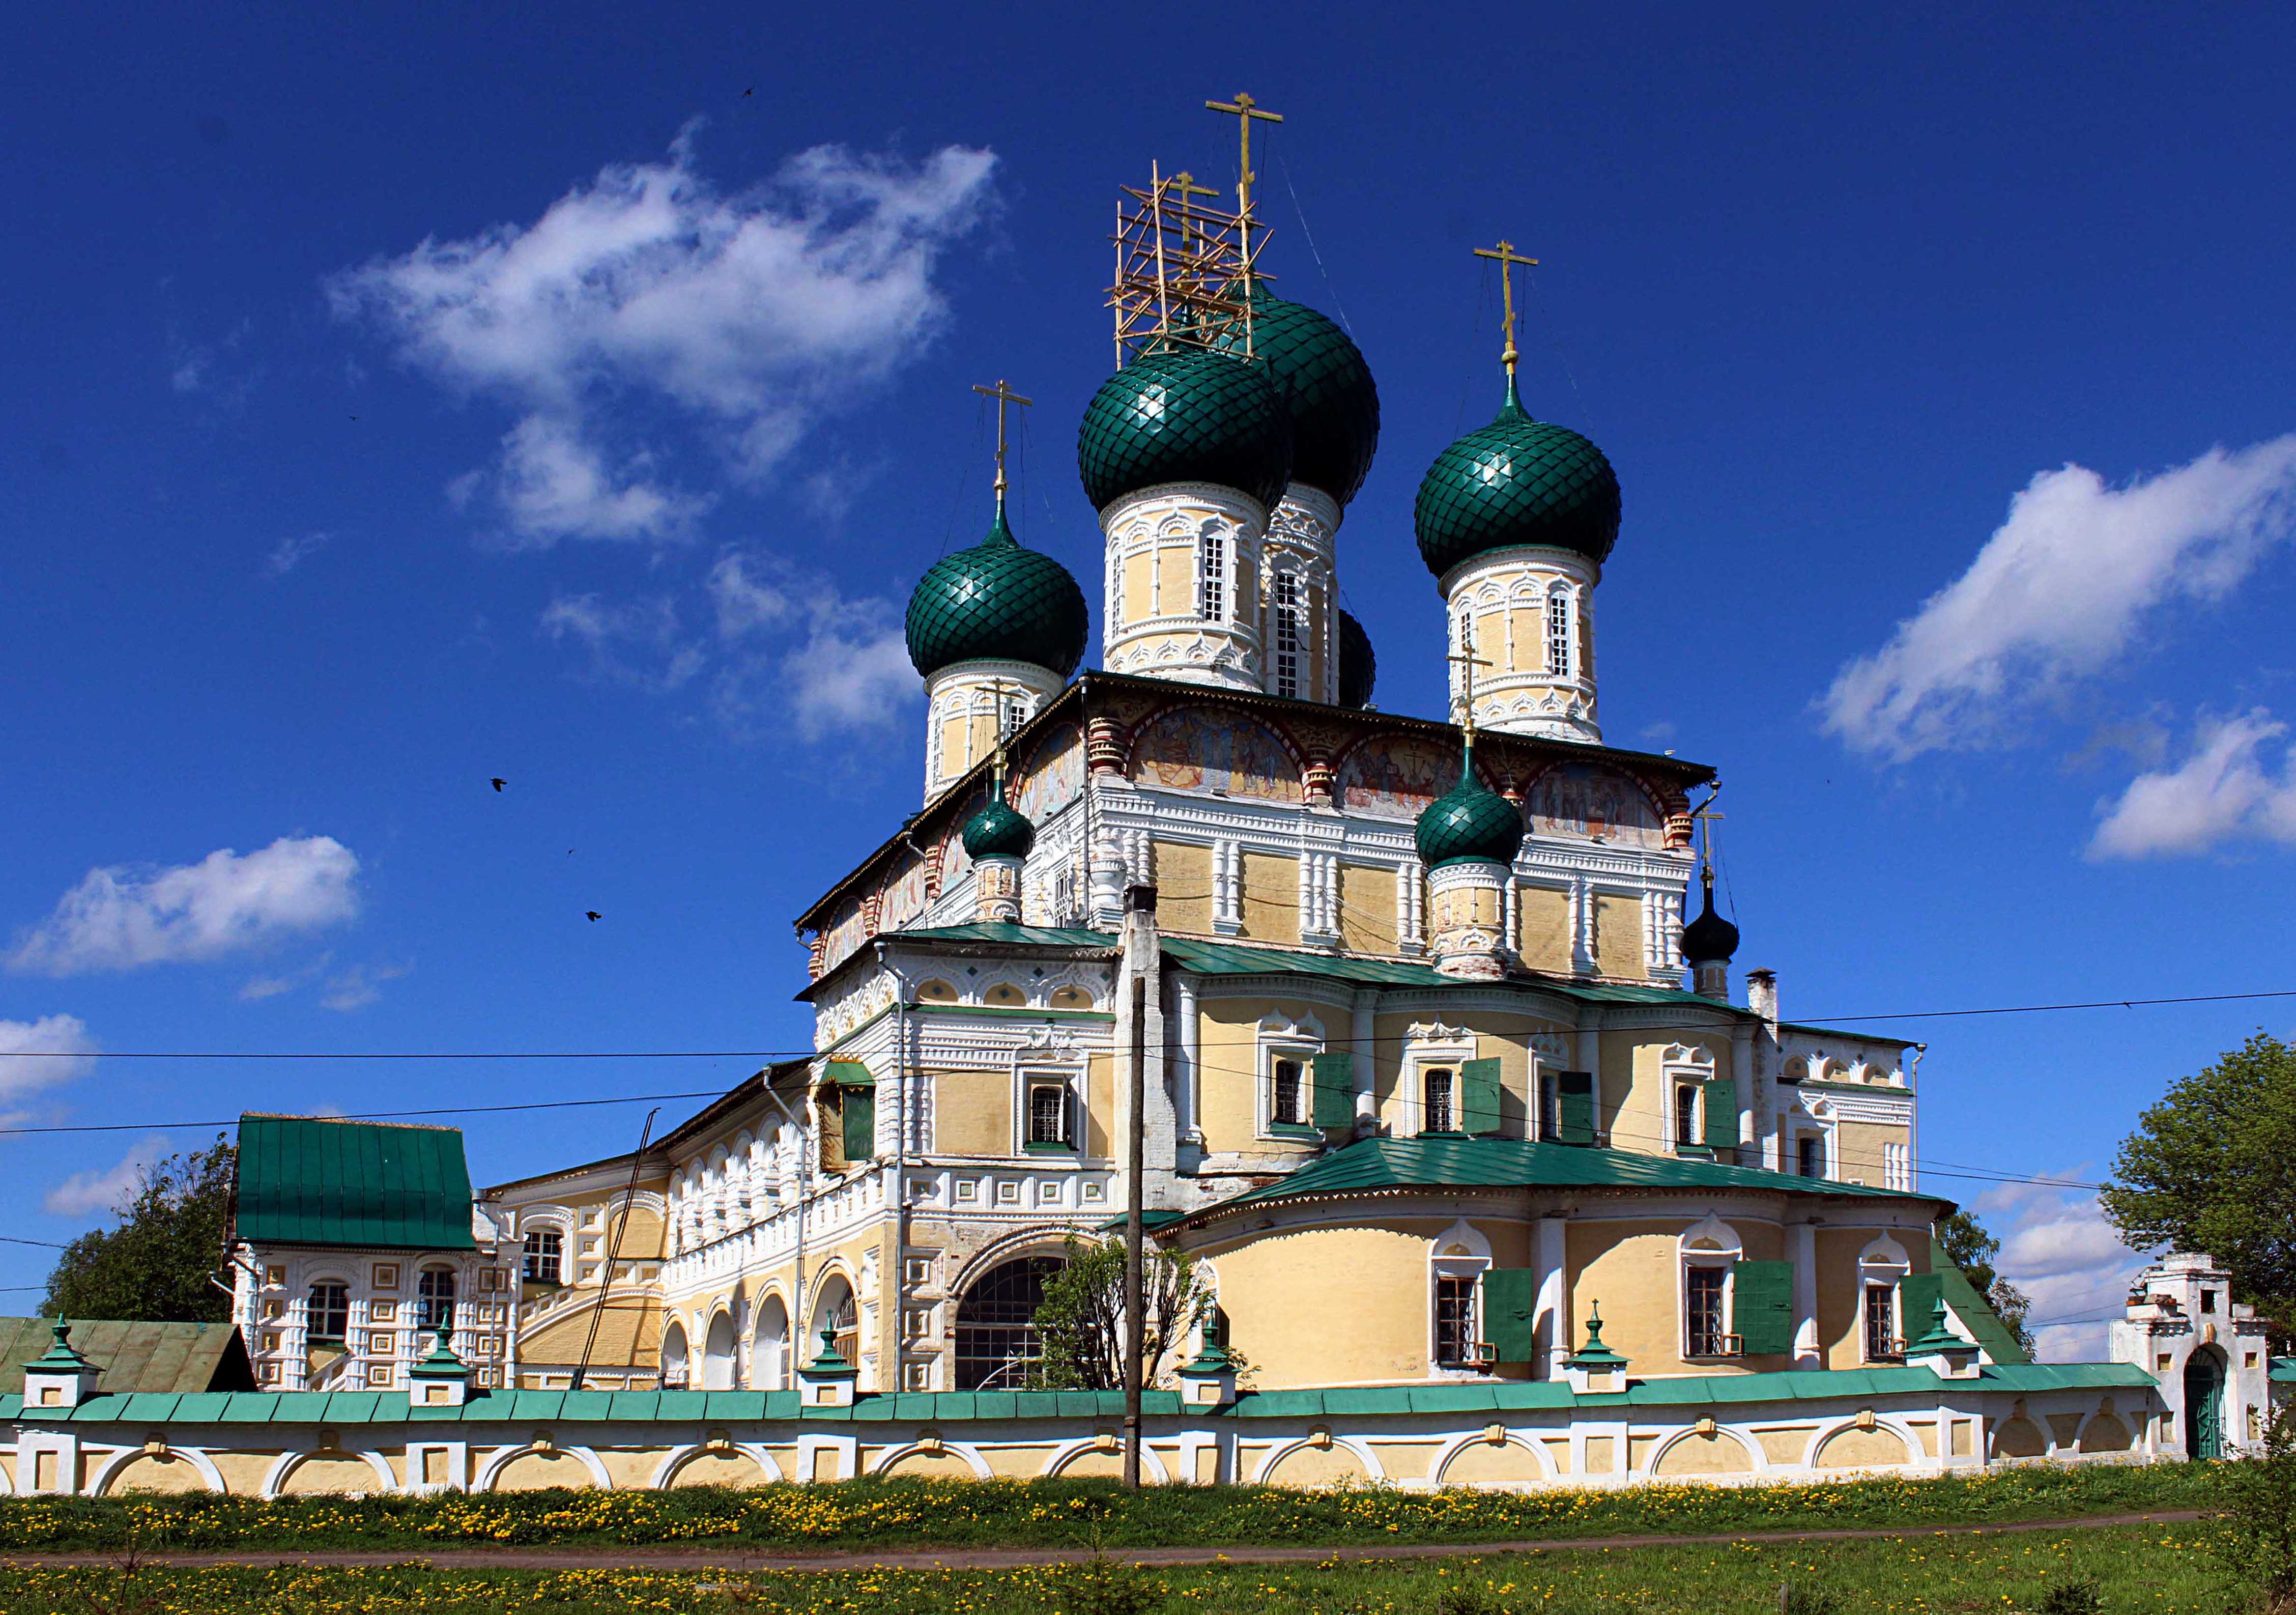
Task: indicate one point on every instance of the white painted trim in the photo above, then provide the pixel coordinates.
(1514, 1438)
(963, 1449)
(287, 1463)
(1151, 1467)
(484, 1481)
(121, 1459)
(1373, 1467)
(665, 1472)
(1744, 1439)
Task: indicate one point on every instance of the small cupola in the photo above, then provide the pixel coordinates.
(1595, 1366)
(998, 839)
(1708, 943)
(59, 1377)
(1467, 838)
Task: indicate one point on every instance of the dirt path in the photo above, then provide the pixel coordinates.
(736, 1558)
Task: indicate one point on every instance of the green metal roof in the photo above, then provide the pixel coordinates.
(1239, 959)
(2284, 1371)
(1835, 1031)
(304, 1180)
(1186, 414)
(1003, 930)
(695, 1407)
(135, 1356)
(998, 831)
(1371, 1165)
(1516, 481)
(1470, 823)
(1328, 387)
(996, 600)
(1975, 1311)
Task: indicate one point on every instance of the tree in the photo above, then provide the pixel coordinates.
(154, 1266)
(1972, 1249)
(1081, 1321)
(2212, 1168)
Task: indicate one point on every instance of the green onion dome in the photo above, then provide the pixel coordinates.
(1358, 668)
(997, 831)
(1186, 414)
(1322, 374)
(1516, 481)
(997, 601)
(1709, 938)
(1469, 823)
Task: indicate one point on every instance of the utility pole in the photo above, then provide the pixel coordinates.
(1139, 917)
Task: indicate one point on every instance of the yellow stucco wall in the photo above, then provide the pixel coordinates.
(1271, 897)
(158, 1472)
(1228, 1050)
(1285, 1294)
(1619, 935)
(1543, 928)
(1184, 888)
(1367, 909)
(973, 1113)
(1862, 1158)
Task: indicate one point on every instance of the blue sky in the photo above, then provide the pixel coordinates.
(398, 402)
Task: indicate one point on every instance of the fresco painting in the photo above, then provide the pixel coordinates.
(1395, 779)
(1588, 800)
(843, 933)
(1194, 749)
(1052, 778)
(905, 896)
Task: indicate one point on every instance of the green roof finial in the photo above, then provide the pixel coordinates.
(1939, 1336)
(1594, 1354)
(61, 1357)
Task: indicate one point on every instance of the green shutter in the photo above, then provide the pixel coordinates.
(1511, 1312)
(1335, 1090)
(1478, 1096)
(860, 1107)
(1918, 1297)
(1721, 1104)
(1574, 1106)
(1762, 1312)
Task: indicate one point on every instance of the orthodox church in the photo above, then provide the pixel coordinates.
(1393, 1023)
(1402, 998)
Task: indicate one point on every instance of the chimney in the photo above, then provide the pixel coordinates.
(1762, 993)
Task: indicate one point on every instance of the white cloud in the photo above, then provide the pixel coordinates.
(41, 1053)
(853, 672)
(2223, 791)
(756, 311)
(121, 918)
(108, 1190)
(288, 553)
(640, 643)
(2059, 592)
(2057, 1247)
(359, 986)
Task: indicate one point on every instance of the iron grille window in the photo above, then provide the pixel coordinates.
(1287, 635)
(545, 1252)
(1685, 1114)
(1048, 1114)
(997, 1339)
(1701, 1307)
(327, 1314)
(434, 1300)
(1809, 1156)
(1211, 577)
(1550, 1124)
(1285, 1110)
(1437, 1084)
(1881, 1322)
(1454, 1321)
(1558, 635)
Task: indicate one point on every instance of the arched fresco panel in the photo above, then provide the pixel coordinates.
(1395, 778)
(1053, 777)
(1590, 801)
(1195, 749)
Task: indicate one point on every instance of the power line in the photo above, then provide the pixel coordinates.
(2036, 1009)
(455, 1109)
(10, 1239)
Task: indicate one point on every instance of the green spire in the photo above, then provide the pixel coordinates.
(440, 1363)
(1211, 1355)
(830, 1361)
(61, 1357)
(1594, 1354)
(998, 831)
(1939, 1338)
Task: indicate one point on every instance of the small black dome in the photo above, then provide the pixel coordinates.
(1709, 939)
(1358, 668)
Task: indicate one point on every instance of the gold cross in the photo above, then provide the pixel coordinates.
(1465, 655)
(1508, 258)
(1706, 815)
(1183, 183)
(1003, 394)
(1245, 110)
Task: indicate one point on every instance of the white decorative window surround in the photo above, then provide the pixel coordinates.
(1028, 1079)
(1706, 1255)
(1685, 1067)
(1295, 1043)
(1430, 1047)
(1456, 1261)
(1881, 1267)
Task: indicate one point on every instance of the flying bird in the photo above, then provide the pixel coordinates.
(594, 913)
(498, 785)
(750, 92)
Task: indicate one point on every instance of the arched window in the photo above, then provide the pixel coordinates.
(544, 1256)
(996, 1342)
(836, 1314)
(1685, 1114)
(719, 1371)
(434, 1300)
(673, 1357)
(769, 1347)
(327, 1314)
(1558, 635)
(1437, 1084)
(1211, 577)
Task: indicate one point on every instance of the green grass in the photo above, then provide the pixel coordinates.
(2156, 1570)
(862, 1515)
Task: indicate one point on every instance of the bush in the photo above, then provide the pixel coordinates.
(1799, 1598)
(2257, 1539)
(2076, 1596)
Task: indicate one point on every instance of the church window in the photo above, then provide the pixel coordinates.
(1286, 621)
(328, 1314)
(1437, 1086)
(1809, 1155)
(2208, 1301)
(1881, 1323)
(1685, 1115)
(1048, 1115)
(434, 1300)
(1286, 1109)
(997, 1338)
(1701, 1310)
(1211, 577)
(1454, 1320)
(543, 1250)
(1550, 1119)
(1558, 635)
